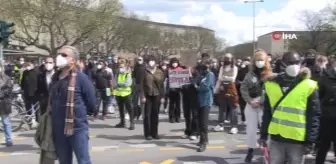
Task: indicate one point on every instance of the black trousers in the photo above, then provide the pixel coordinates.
(174, 105)
(151, 113)
(102, 97)
(43, 100)
(190, 110)
(125, 102)
(326, 137)
(242, 103)
(30, 104)
(137, 108)
(203, 119)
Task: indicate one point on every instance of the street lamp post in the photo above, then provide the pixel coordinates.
(253, 26)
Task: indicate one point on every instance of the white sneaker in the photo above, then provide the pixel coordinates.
(193, 138)
(234, 130)
(110, 109)
(219, 128)
(127, 116)
(184, 136)
(34, 124)
(227, 121)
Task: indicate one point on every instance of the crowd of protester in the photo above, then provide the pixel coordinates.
(291, 99)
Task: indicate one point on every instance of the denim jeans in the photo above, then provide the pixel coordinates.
(281, 152)
(7, 127)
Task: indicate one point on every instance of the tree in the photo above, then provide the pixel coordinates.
(59, 22)
(220, 44)
(319, 34)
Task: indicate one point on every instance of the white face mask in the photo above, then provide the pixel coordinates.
(174, 65)
(293, 70)
(61, 61)
(260, 64)
(243, 65)
(164, 67)
(140, 62)
(122, 70)
(49, 66)
(151, 63)
(22, 62)
(269, 59)
(99, 66)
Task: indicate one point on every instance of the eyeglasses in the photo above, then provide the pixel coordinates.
(63, 54)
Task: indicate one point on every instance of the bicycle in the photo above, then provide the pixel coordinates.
(19, 116)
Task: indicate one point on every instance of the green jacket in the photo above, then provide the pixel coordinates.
(44, 140)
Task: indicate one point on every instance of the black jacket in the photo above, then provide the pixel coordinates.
(313, 114)
(6, 87)
(29, 82)
(139, 73)
(327, 93)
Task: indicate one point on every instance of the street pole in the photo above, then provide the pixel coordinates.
(1, 54)
(254, 6)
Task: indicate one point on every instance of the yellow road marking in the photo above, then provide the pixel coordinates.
(241, 146)
(216, 147)
(3, 154)
(169, 161)
(171, 148)
(144, 162)
(101, 149)
(131, 150)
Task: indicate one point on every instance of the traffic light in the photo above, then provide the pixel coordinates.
(5, 31)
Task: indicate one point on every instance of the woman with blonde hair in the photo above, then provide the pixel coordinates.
(251, 91)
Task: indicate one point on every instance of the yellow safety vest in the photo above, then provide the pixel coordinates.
(289, 118)
(122, 91)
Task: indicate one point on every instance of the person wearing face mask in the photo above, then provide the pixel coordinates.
(6, 87)
(29, 87)
(164, 68)
(327, 135)
(152, 94)
(123, 91)
(291, 112)
(227, 94)
(103, 82)
(174, 94)
(204, 85)
(71, 95)
(43, 82)
(251, 92)
(242, 71)
(138, 76)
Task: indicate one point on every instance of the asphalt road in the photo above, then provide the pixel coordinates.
(122, 146)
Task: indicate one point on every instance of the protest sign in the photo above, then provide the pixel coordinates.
(177, 78)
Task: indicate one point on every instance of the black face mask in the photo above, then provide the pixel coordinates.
(310, 61)
(227, 62)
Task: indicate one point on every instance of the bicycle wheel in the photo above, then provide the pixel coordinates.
(16, 118)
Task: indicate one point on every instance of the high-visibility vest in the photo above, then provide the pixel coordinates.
(122, 91)
(289, 118)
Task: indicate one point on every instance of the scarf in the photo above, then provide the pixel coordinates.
(69, 117)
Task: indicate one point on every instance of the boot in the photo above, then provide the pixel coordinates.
(131, 126)
(249, 156)
(202, 147)
(121, 125)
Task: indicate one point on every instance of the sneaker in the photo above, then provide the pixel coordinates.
(34, 124)
(193, 138)
(9, 144)
(219, 128)
(234, 130)
(227, 121)
(110, 109)
(127, 116)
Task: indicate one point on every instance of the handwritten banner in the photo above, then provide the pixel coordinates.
(177, 78)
